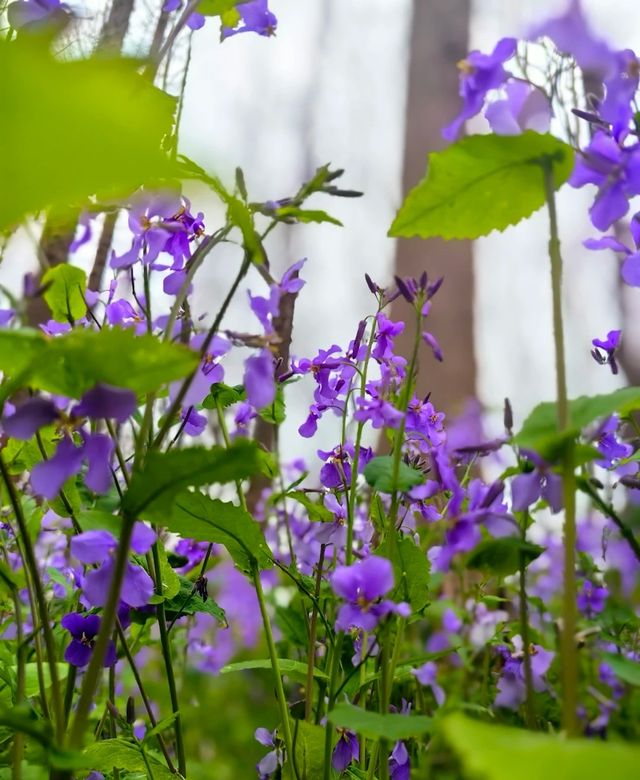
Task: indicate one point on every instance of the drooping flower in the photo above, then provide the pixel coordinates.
(479, 73)
(523, 108)
(259, 379)
(609, 347)
(511, 686)
(363, 585)
(399, 763)
(83, 629)
(630, 269)
(541, 482)
(92, 547)
(347, 749)
(256, 17)
(427, 675)
(275, 758)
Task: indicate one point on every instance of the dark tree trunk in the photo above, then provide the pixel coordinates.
(439, 39)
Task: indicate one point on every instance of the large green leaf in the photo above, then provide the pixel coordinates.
(491, 752)
(374, 725)
(73, 363)
(411, 571)
(109, 753)
(165, 474)
(73, 129)
(379, 474)
(540, 430)
(195, 516)
(295, 669)
(502, 556)
(482, 183)
(65, 288)
(308, 740)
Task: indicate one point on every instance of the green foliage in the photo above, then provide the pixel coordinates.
(186, 602)
(374, 725)
(491, 752)
(73, 363)
(315, 511)
(624, 668)
(196, 516)
(308, 742)
(222, 394)
(275, 413)
(65, 288)
(165, 474)
(170, 580)
(104, 129)
(128, 756)
(379, 474)
(540, 430)
(218, 7)
(502, 556)
(411, 571)
(482, 183)
(295, 214)
(294, 669)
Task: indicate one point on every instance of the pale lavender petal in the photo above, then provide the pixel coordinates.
(29, 417)
(93, 546)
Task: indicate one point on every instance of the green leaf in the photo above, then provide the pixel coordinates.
(218, 7)
(105, 126)
(109, 753)
(482, 183)
(65, 289)
(375, 726)
(99, 520)
(316, 512)
(170, 580)
(73, 363)
(275, 413)
(411, 571)
(624, 668)
(239, 215)
(379, 474)
(502, 556)
(295, 669)
(164, 474)
(309, 751)
(196, 516)
(185, 602)
(306, 215)
(540, 429)
(223, 394)
(491, 752)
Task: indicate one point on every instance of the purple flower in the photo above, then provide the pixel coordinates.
(256, 17)
(615, 170)
(347, 749)
(377, 411)
(386, 332)
(539, 483)
(275, 758)
(36, 15)
(592, 598)
(426, 675)
(610, 448)
(83, 629)
(93, 547)
(479, 73)
(194, 22)
(259, 379)
(363, 585)
(609, 346)
(511, 685)
(630, 270)
(523, 108)
(399, 764)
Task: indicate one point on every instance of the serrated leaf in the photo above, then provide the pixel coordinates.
(502, 556)
(225, 395)
(65, 290)
(482, 183)
(105, 127)
(379, 474)
(411, 571)
(491, 752)
(374, 725)
(186, 602)
(196, 516)
(295, 669)
(164, 474)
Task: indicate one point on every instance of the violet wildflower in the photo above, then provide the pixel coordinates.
(259, 379)
(485, 622)
(83, 629)
(609, 347)
(479, 73)
(511, 685)
(346, 750)
(592, 599)
(607, 443)
(426, 675)
(195, 20)
(98, 546)
(363, 585)
(630, 269)
(275, 758)
(377, 411)
(523, 108)
(256, 17)
(37, 15)
(399, 763)
(386, 332)
(541, 482)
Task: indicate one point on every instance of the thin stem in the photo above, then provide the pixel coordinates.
(40, 602)
(311, 652)
(530, 709)
(568, 646)
(275, 666)
(328, 735)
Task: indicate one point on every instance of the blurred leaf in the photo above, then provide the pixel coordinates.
(502, 556)
(540, 429)
(374, 725)
(109, 753)
(379, 474)
(308, 740)
(275, 413)
(624, 668)
(306, 215)
(482, 183)
(164, 474)
(295, 669)
(411, 571)
(240, 216)
(185, 602)
(315, 511)
(99, 520)
(65, 292)
(104, 129)
(196, 516)
(491, 752)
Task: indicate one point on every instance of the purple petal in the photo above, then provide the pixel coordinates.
(50, 475)
(610, 205)
(77, 653)
(525, 489)
(606, 242)
(264, 737)
(630, 270)
(106, 402)
(137, 586)
(77, 624)
(98, 450)
(96, 584)
(29, 417)
(259, 379)
(376, 576)
(142, 539)
(93, 546)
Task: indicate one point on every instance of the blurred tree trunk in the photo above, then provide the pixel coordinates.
(439, 39)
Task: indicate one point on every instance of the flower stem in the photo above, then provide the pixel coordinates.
(530, 709)
(335, 670)
(568, 647)
(311, 653)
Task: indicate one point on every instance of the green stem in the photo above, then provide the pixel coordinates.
(275, 666)
(40, 602)
(333, 680)
(168, 665)
(311, 652)
(530, 709)
(569, 655)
